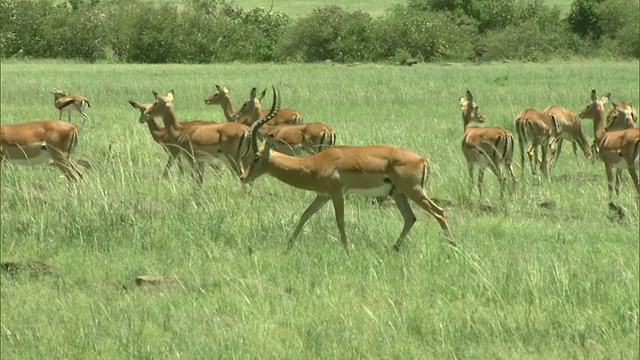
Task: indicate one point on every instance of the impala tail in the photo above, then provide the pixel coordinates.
(328, 140)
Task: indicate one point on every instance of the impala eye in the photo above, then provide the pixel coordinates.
(256, 158)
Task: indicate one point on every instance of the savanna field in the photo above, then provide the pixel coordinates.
(547, 272)
(525, 282)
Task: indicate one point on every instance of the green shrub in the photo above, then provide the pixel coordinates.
(583, 18)
(429, 36)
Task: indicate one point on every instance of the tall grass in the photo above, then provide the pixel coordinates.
(526, 281)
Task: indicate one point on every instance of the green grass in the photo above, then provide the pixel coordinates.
(526, 282)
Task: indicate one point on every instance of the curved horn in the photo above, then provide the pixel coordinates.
(275, 107)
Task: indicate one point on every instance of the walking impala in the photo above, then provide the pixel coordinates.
(485, 146)
(367, 170)
(619, 149)
(38, 142)
(203, 142)
(69, 103)
(310, 137)
(161, 136)
(567, 126)
(536, 130)
(222, 97)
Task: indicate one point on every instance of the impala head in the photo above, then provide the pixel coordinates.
(595, 106)
(260, 154)
(218, 96)
(470, 110)
(159, 105)
(251, 109)
(57, 93)
(142, 107)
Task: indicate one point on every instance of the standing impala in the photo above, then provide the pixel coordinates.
(619, 149)
(485, 146)
(161, 136)
(617, 120)
(222, 97)
(38, 142)
(310, 137)
(203, 142)
(536, 130)
(69, 103)
(567, 126)
(340, 170)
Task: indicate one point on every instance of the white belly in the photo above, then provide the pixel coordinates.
(371, 192)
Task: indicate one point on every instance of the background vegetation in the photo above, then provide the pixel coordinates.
(527, 281)
(215, 31)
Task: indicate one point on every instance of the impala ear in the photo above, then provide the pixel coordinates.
(594, 95)
(262, 94)
(171, 94)
(252, 94)
(218, 87)
(606, 97)
(469, 95)
(135, 104)
(155, 94)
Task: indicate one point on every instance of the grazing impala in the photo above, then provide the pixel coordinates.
(203, 142)
(619, 149)
(567, 126)
(38, 142)
(485, 146)
(69, 103)
(367, 170)
(532, 125)
(310, 137)
(221, 97)
(161, 136)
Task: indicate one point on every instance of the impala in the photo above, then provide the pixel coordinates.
(222, 97)
(340, 170)
(310, 137)
(161, 136)
(617, 120)
(485, 146)
(69, 103)
(203, 142)
(535, 127)
(38, 142)
(619, 149)
(567, 126)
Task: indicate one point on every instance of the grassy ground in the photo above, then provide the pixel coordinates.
(525, 282)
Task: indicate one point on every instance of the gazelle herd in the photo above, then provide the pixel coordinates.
(255, 141)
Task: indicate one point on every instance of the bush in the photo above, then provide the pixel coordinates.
(584, 20)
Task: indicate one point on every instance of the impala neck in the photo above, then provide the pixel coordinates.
(294, 171)
(227, 108)
(598, 126)
(170, 121)
(466, 119)
(154, 129)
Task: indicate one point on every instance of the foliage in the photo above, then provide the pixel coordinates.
(210, 31)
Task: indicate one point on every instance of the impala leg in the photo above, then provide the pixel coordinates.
(317, 204)
(609, 170)
(618, 184)
(558, 150)
(533, 158)
(546, 160)
(480, 180)
(402, 203)
(338, 208)
(633, 172)
(470, 177)
(61, 161)
(417, 195)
